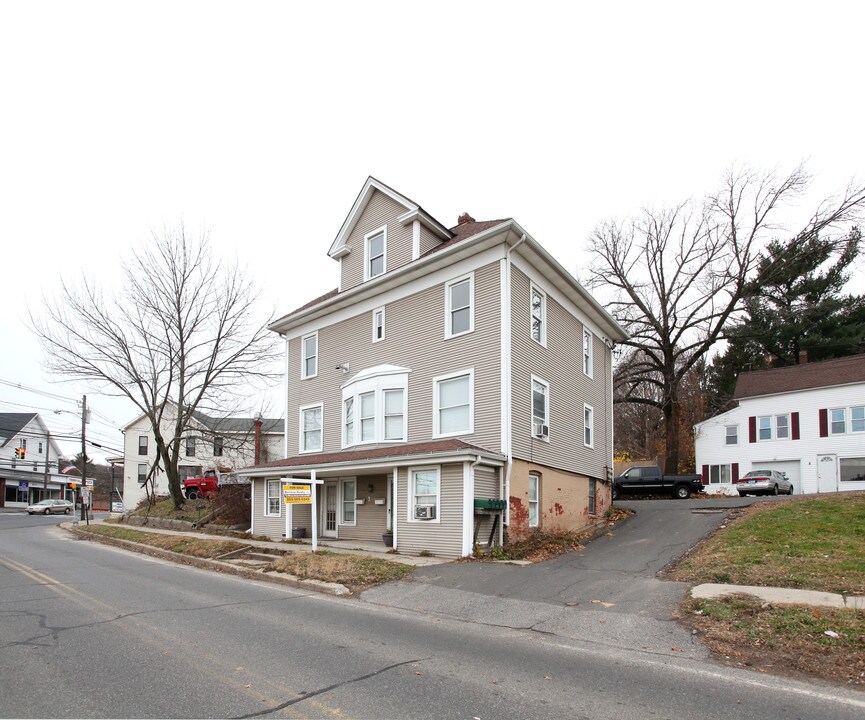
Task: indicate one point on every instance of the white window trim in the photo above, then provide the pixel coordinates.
(546, 421)
(384, 415)
(471, 278)
(590, 427)
(450, 376)
(410, 504)
(301, 410)
(342, 482)
(537, 477)
(848, 421)
(303, 340)
(851, 430)
(734, 444)
(376, 384)
(729, 467)
(366, 238)
(535, 289)
(590, 358)
(266, 494)
(383, 327)
(773, 427)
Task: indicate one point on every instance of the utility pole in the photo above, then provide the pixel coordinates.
(47, 456)
(85, 515)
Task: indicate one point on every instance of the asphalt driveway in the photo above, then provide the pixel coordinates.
(607, 591)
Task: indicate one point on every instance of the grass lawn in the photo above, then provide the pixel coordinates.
(192, 510)
(813, 544)
(356, 572)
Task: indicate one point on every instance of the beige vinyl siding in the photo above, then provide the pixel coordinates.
(444, 538)
(273, 527)
(486, 487)
(380, 211)
(302, 517)
(371, 518)
(414, 338)
(428, 240)
(560, 364)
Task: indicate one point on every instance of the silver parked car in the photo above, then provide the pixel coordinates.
(50, 507)
(764, 482)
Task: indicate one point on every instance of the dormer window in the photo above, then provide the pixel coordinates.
(375, 253)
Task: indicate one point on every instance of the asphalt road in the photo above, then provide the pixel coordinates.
(92, 631)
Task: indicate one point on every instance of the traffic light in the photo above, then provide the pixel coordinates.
(73, 486)
(20, 452)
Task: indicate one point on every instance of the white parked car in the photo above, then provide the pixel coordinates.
(764, 482)
(50, 507)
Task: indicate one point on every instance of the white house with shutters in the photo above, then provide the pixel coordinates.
(807, 421)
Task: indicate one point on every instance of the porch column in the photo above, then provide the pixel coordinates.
(312, 489)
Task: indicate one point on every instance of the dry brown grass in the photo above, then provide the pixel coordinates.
(783, 640)
(356, 572)
(196, 547)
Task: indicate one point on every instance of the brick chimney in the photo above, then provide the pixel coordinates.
(257, 425)
(465, 218)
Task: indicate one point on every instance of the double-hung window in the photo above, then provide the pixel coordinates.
(190, 446)
(367, 417)
(593, 489)
(587, 353)
(534, 499)
(142, 444)
(425, 495)
(218, 446)
(142, 474)
(394, 415)
(764, 428)
(378, 324)
(782, 427)
(773, 427)
(731, 435)
(459, 306)
(375, 253)
(272, 506)
(839, 421)
(309, 352)
(857, 419)
(540, 408)
(310, 428)
(349, 495)
(539, 316)
(374, 406)
(588, 426)
(453, 396)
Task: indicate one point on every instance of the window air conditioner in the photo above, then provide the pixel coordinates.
(541, 430)
(425, 512)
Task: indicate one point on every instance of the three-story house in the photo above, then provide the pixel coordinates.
(450, 365)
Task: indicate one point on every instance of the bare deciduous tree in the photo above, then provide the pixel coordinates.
(178, 338)
(678, 275)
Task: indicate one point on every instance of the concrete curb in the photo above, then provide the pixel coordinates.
(223, 567)
(780, 596)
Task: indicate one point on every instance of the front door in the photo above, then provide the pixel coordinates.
(327, 521)
(827, 474)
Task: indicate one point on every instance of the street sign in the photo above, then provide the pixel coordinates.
(88, 482)
(23, 486)
(297, 494)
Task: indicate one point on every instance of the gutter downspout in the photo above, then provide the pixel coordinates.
(506, 323)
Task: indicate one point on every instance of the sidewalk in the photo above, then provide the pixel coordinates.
(781, 596)
(344, 547)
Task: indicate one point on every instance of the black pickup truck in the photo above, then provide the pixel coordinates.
(650, 480)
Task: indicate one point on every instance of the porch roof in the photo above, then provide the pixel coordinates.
(436, 450)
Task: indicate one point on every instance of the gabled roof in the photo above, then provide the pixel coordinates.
(13, 423)
(828, 373)
(413, 212)
(227, 424)
(430, 449)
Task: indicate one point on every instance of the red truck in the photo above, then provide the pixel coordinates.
(204, 486)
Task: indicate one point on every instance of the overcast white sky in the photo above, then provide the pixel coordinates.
(260, 121)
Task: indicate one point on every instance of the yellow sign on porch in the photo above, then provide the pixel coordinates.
(297, 494)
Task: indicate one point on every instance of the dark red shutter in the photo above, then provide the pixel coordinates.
(794, 422)
(705, 474)
(735, 472)
(824, 422)
(752, 429)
